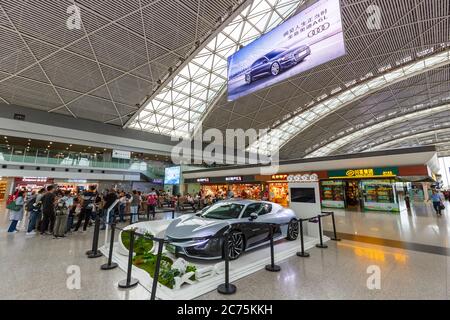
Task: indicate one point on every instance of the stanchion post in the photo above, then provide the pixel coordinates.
(335, 238)
(157, 268)
(321, 245)
(302, 253)
(173, 214)
(129, 282)
(111, 265)
(227, 287)
(94, 253)
(272, 267)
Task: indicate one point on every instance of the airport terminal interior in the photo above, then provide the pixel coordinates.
(225, 150)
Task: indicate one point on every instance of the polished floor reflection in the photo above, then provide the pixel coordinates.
(419, 225)
(36, 267)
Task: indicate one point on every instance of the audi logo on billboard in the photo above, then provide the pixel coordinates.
(319, 30)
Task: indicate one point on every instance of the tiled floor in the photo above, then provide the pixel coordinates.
(36, 268)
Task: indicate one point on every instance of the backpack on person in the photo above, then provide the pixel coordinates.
(152, 200)
(61, 208)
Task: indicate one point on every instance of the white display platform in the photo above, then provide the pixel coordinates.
(248, 263)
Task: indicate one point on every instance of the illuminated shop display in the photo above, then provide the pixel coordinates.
(380, 195)
(3, 184)
(333, 194)
(279, 193)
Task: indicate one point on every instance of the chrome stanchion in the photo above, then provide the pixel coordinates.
(129, 282)
(272, 267)
(111, 265)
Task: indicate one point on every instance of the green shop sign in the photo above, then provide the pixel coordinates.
(363, 173)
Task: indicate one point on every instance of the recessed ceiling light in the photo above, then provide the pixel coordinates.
(6, 137)
(51, 142)
(70, 145)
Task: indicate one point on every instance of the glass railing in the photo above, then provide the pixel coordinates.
(72, 159)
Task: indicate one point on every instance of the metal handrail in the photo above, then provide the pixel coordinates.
(42, 157)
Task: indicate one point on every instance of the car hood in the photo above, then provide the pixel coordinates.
(192, 226)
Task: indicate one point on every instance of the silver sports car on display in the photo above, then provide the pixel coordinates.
(200, 235)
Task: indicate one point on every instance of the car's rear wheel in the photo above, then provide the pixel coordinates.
(235, 245)
(275, 69)
(248, 78)
(292, 231)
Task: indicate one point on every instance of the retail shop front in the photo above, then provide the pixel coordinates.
(277, 185)
(31, 184)
(75, 185)
(246, 187)
(367, 189)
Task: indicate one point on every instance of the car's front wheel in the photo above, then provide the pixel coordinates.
(292, 231)
(235, 245)
(275, 69)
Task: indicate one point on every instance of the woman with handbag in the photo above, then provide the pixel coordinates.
(16, 212)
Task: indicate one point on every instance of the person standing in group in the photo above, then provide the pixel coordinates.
(16, 212)
(438, 201)
(74, 210)
(134, 206)
(48, 211)
(39, 197)
(152, 201)
(34, 210)
(109, 200)
(62, 213)
(122, 206)
(88, 200)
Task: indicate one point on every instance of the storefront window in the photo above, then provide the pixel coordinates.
(379, 195)
(279, 193)
(333, 194)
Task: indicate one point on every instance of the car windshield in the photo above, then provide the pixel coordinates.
(275, 53)
(224, 211)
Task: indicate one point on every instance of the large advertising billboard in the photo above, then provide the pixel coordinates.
(172, 176)
(306, 40)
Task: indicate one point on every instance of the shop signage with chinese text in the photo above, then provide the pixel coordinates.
(202, 180)
(281, 177)
(120, 154)
(363, 173)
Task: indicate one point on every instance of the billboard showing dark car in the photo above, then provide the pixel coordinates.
(308, 39)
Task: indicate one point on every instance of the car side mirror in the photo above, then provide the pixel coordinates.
(253, 216)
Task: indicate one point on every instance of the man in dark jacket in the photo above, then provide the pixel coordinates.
(109, 199)
(48, 211)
